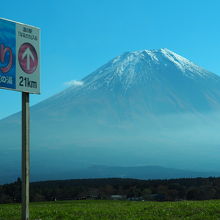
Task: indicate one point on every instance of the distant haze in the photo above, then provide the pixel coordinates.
(149, 107)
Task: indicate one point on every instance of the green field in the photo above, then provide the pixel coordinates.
(122, 210)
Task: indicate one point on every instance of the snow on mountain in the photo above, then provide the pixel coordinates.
(144, 65)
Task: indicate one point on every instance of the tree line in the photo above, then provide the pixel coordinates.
(115, 188)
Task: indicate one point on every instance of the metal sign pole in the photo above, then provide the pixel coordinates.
(20, 71)
(25, 155)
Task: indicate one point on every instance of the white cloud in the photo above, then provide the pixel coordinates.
(74, 83)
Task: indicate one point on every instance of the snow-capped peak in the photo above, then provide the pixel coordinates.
(143, 66)
(160, 57)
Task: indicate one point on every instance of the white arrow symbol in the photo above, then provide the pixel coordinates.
(29, 56)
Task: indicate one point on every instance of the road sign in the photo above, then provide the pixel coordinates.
(19, 57)
(20, 71)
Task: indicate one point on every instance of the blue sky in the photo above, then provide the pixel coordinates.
(78, 36)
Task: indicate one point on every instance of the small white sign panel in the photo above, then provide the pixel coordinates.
(19, 57)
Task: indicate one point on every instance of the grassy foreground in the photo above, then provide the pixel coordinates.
(118, 210)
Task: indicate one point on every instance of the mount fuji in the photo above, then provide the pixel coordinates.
(142, 108)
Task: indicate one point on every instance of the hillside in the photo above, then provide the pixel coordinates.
(142, 108)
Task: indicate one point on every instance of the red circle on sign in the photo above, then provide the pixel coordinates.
(27, 57)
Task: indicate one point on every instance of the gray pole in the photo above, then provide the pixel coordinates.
(25, 155)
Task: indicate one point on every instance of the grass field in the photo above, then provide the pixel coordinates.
(118, 210)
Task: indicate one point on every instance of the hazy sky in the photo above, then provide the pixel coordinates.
(78, 36)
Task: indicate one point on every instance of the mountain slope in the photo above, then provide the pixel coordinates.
(143, 107)
(158, 78)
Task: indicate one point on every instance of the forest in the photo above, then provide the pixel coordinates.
(115, 188)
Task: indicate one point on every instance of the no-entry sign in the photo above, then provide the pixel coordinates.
(19, 57)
